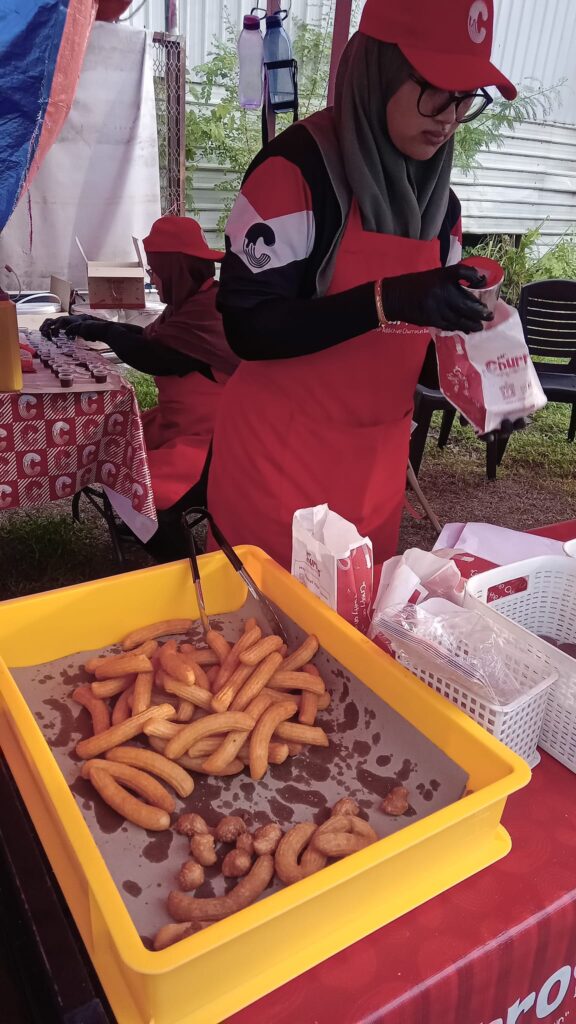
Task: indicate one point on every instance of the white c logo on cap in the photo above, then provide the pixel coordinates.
(478, 13)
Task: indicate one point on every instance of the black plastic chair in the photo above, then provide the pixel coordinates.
(427, 401)
(548, 313)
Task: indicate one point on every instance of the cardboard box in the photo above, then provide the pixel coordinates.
(115, 285)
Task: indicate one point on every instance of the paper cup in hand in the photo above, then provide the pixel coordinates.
(492, 271)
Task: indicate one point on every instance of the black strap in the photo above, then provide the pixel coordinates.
(279, 108)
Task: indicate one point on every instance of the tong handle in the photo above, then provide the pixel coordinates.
(191, 518)
(191, 545)
(225, 546)
(189, 524)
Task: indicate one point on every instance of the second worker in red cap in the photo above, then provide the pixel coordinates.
(187, 353)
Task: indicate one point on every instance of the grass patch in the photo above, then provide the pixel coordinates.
(542, 448)
(40, 550)
(145, 388)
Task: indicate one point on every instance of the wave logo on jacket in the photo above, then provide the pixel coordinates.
(266, 240)
(255, 234)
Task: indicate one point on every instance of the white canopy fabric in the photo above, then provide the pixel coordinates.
(100, 180)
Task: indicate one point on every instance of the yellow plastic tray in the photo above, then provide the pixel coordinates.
(214, 973)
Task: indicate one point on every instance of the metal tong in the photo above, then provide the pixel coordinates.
(190, 520)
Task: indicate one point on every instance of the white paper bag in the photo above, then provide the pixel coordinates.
(334, 562)
(489, 376)
(495, 544)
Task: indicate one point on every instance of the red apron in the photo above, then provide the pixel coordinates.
(178, 432)
(330, 427)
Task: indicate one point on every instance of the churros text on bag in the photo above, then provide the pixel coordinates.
(331, 558)
(489, 376)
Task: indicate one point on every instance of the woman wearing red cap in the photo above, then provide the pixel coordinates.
(338, 258)
(186, 351)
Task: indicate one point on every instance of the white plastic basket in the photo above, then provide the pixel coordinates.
(538, 598)
(517, 724)
(570, 548)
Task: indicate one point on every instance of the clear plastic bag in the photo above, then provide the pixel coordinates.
(460, 644)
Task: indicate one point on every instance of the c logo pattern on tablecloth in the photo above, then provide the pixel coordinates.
(32, 464)
(89, 402)
(7, 466)
(52, 445)
(27, 407)
(61, 460)
(88, 428)
(115, 423)
(108, 473)
(64, 486)
(61, 432)
(6, 495)
(85, 477)
(34, 492)
(138, 496)
(88, 454)
(29, 435)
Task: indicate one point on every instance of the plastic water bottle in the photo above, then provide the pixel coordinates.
(250, 56)
(277, 47)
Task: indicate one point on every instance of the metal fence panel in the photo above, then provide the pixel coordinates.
(170, 96)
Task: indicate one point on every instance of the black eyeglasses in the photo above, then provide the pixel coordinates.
(468, 105)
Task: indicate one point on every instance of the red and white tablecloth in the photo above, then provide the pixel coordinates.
(53, 445)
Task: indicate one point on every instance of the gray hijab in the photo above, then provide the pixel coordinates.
(396, 195)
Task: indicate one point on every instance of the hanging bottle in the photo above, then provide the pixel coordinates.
(250, 57)
(10, 364)
(277, 47)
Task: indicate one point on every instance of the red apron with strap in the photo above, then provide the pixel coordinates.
(178, 432)
(330, 427)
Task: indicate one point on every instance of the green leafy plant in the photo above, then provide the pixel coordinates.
(523, 261)
(145, 388)
(220, 132)
(533, 103)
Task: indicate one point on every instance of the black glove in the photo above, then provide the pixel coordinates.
(51, 328)
(434, 298)
(89, 330)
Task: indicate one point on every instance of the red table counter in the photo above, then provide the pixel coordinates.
(496, 949)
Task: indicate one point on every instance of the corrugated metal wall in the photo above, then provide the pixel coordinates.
(532, 38)
(531, 180)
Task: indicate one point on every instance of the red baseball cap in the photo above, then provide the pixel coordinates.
(448, 42)
(180, 234)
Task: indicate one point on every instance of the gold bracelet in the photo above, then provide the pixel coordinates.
(383, 321)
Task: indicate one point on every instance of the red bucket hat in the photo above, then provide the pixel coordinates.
(180, 234)
(448, 42)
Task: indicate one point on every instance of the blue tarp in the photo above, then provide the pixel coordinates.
(31, 34)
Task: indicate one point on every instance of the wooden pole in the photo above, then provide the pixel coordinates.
(342, 16)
